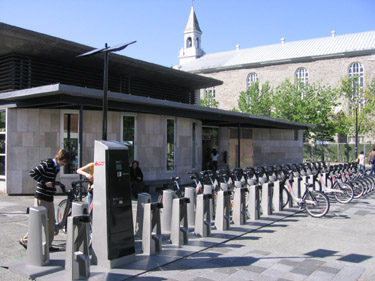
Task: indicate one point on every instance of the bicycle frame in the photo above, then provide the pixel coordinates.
(297, 199)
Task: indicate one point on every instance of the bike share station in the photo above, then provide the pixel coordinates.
(163, 233)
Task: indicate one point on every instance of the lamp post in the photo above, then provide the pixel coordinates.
(106, 50)
(323, 133)
(356, 130)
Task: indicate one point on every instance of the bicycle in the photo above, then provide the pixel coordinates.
(342, 191)
(314, 202)
(178, 192)
(64, 208)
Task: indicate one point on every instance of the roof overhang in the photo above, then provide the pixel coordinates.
(19, 41)
(62, 96)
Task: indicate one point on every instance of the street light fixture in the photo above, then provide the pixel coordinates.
(106, 50)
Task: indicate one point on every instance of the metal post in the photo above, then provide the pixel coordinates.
(105, 99)
(239, 147)
(356, 131)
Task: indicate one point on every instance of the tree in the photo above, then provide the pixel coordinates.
(255, 100)
(359, 103)
(311, 103)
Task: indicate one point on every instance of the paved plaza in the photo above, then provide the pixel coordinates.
(288, 245)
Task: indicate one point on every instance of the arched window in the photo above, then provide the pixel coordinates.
(356, 70)
(188, 43)
(251, 78)
(302, 75)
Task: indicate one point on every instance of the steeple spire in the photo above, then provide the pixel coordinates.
(192, 39)
(192, 24)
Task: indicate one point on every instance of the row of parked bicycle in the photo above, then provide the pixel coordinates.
(310, 185)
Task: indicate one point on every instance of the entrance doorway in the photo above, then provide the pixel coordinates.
(210, 140)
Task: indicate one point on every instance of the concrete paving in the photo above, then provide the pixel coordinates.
(289, 245)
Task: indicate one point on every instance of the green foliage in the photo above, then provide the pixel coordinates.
(256, 100)
(360, 102)
(294, 102)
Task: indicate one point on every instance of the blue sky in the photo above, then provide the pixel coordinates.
(158, 25)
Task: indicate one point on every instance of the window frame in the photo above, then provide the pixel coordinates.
(359, 73)
(249, 79)
(62, 114)
(5, 143)
(174, 144)
(135, 116)
(302, 74)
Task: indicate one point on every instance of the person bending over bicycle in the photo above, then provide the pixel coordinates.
(45, 175)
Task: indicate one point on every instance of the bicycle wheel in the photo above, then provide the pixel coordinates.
(316, 204)
(61, 219)
(285, 197)
(358, 189)
(346, 195)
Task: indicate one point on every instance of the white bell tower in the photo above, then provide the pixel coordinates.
(192, 40)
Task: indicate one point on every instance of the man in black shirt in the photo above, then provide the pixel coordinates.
(45, 175)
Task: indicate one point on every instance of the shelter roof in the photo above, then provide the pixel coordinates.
(72, 97)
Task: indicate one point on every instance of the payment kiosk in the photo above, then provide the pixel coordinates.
(112, 234)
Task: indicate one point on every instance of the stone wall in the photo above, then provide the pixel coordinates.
(328, 72)
(34, 134)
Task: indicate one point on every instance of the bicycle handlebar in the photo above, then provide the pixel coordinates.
(62, 186)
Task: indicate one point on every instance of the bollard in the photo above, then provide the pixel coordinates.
(77, 260)
(202, 215)
(224, 186)
(239, 208)
(304, 180)
(253, 204)
(79, 208)
(207, 189)
(179, 227)
(223, 205)
(37, 246)
(267, 199)
(323, 180)
(276, 196)
(296, 187)
(151, 234)
(143, 198)
(190, 193)
(166, 213)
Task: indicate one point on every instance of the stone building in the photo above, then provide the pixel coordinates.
(325, 60)
(50, 98)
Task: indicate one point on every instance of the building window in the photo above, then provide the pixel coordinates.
(209, 96)
(194, 145)
(70, 140)
(356, 70)
(170, 144)
(2, 142)
(128, 133)
(251, 79)
(188, 43)
(302, 75)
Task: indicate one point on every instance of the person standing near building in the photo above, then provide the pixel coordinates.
(136, 179)
(371, 160)
(215, 158)
(361, 161)
(45, 176)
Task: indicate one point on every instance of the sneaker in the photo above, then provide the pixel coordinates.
(54, 249)
(23, 243)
